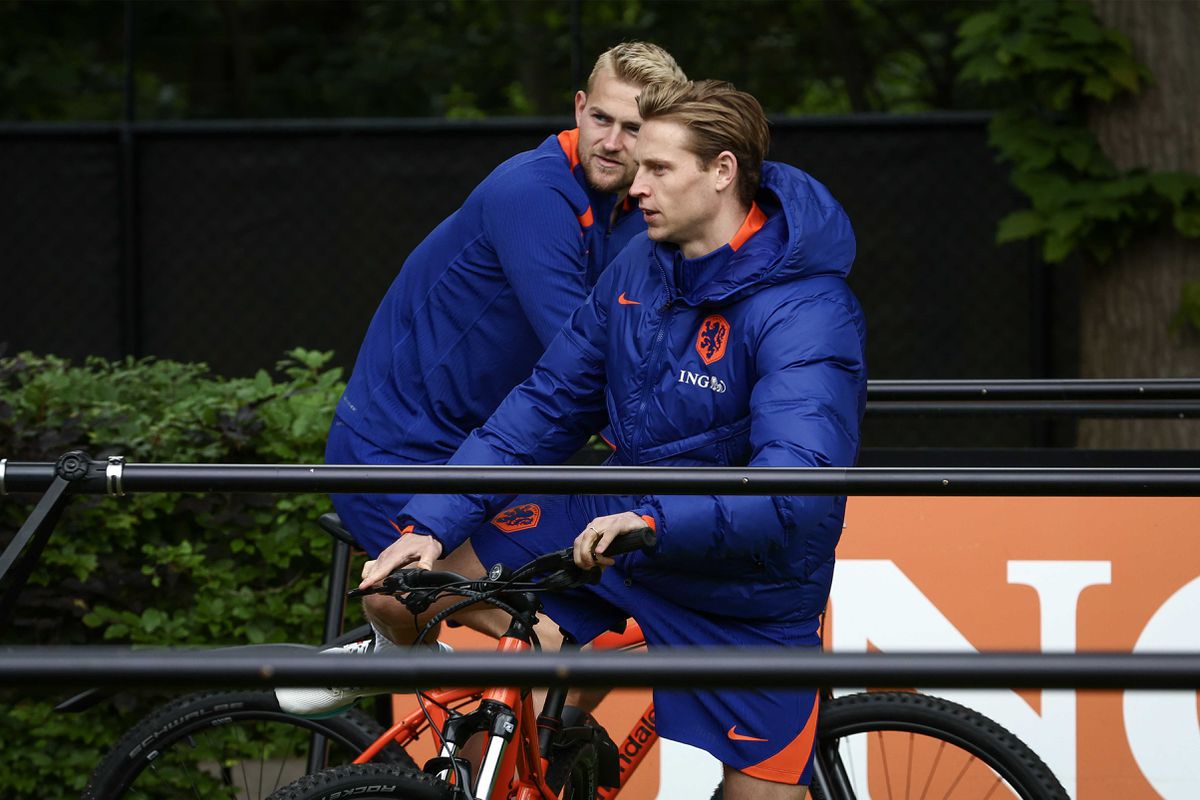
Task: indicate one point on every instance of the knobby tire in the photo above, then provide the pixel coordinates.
(206, 744)
(367, 782)
(950, 745)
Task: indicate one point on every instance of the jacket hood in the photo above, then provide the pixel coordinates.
(807, 233)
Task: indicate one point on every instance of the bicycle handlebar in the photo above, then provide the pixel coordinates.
(639, 539)
(406, 580)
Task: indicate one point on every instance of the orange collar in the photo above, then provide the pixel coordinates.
(754, 220)
(569, 142)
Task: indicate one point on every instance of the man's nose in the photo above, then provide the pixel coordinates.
(615, 138)
(638, 187)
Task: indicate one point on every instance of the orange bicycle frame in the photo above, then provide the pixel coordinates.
(522, 769)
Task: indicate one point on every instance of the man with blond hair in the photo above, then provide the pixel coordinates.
(727, 336)
(479, 299)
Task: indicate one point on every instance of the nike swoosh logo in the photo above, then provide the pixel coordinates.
(623, 300)
(740, 737)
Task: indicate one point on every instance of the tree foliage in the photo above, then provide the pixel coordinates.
(1051, 61)
(161, 569)
(462, 58)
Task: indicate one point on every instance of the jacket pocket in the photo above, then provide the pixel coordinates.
(703, 449)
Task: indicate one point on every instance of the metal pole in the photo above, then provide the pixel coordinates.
(664, 667)
(900, 481)
(1042, 389)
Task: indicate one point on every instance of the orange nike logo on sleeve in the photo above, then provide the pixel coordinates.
(741, 737)
(625, 301)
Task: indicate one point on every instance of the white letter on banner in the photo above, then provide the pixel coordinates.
(874, 601)
(1058, 585)
(1163, 727)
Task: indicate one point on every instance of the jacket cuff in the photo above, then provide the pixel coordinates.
(652, 515)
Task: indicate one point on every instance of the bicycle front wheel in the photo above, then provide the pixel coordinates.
(882, 745)
(368, 782)
(227, 745)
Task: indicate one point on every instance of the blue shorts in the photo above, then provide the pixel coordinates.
(765, 733)
(370, 518)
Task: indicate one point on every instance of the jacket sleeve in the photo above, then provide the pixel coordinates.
(544, 420)
(539, 243)
(805, 410)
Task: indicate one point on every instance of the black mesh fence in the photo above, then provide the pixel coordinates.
(252, 238)
(60, 243)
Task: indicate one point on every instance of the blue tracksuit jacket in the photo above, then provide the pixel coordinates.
(752, 354)
(478, 300)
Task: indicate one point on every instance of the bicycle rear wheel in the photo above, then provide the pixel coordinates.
(226, 745)
(882, 745)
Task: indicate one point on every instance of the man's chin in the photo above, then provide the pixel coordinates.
(610, 182)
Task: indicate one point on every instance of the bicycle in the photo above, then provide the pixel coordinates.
(564, 750)
(203, 736)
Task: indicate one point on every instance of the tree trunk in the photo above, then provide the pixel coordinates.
(1127, 304)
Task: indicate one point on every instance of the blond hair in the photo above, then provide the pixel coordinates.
(718, 118)
(638, 63)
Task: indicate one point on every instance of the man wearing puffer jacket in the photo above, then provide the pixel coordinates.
(725, 336)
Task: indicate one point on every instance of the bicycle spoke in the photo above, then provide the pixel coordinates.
(933, 769)
(908, 773)
(958, 779)
(887, 776)
(910, 765)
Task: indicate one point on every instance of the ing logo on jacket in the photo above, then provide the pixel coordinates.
(713, 336)
(518, 518)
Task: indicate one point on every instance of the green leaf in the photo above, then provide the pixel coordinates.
(1176, 186)
(1100, 87)
(1056, 248)
(152, 619)
(117, 631)
(979, 24)
(1019, 225)
(1126, 76)
(1187, 221)
(1188, 314)
(1077, 153)
(1082, 29)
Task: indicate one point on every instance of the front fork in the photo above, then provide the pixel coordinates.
(829, 775)
(494, 717)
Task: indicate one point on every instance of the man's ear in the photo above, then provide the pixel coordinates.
(725, 170)
(580, 102)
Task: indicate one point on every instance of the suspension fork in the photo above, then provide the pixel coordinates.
(500, 705)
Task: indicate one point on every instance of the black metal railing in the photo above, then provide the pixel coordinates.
(76, 473)
(665, 667)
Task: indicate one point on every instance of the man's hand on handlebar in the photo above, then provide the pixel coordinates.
(591, 544)
(410, 550)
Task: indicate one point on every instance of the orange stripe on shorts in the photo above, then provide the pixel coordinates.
(788, 764)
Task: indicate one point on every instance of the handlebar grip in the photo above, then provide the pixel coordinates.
(423, 579)
(404, 580)
(642, 538)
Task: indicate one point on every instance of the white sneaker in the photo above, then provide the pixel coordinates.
(318, 703)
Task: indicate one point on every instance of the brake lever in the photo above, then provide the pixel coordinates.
(393, 583)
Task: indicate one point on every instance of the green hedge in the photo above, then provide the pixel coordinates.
(157, 569)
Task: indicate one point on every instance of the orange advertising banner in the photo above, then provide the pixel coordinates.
(1035, 574)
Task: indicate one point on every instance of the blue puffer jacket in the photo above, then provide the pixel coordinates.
(478, 301)
(752, 354)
